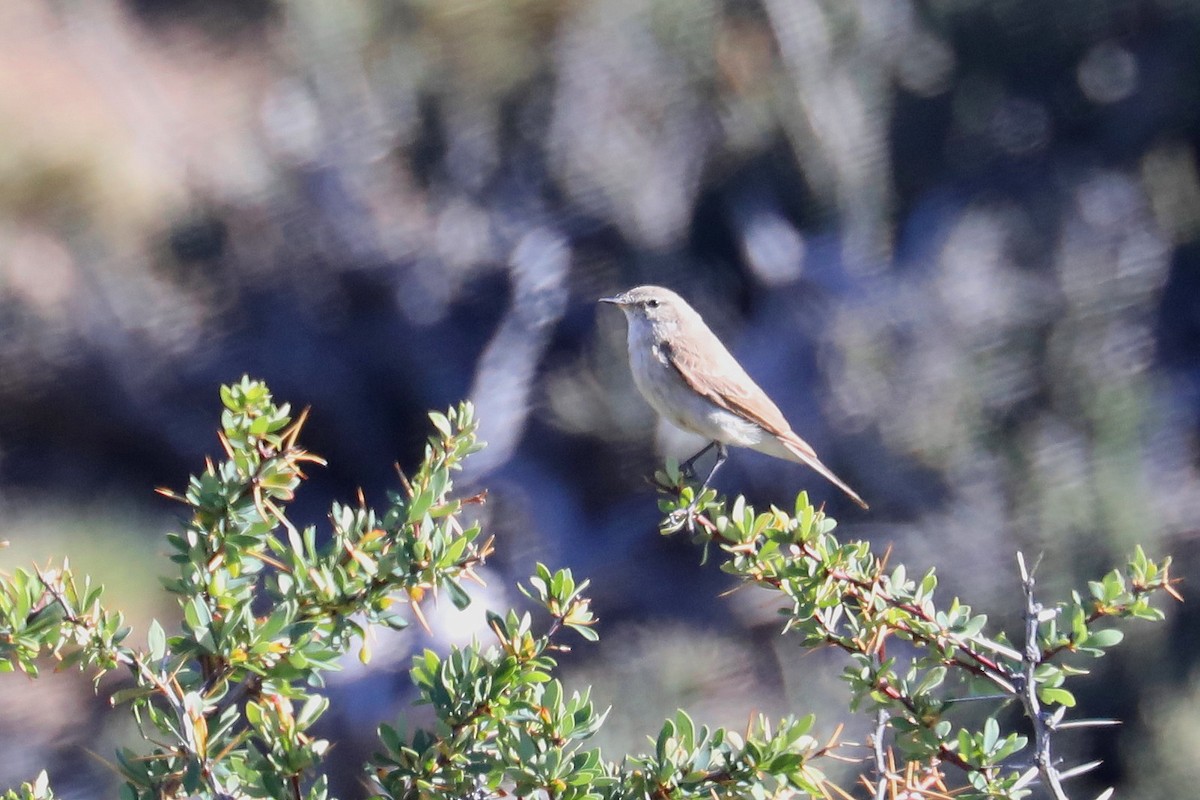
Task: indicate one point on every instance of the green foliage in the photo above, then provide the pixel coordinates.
(842, 595)
(502, 718)
(227, 703)
(38, 790)
(690, 761)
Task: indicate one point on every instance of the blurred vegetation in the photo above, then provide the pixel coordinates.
(957, 241)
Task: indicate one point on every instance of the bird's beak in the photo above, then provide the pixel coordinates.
(616, 300)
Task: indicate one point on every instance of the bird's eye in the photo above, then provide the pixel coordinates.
(652, 303)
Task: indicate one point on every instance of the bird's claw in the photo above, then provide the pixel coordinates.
(683, 518)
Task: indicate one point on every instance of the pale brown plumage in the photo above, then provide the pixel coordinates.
(727, 385)
(685, 372)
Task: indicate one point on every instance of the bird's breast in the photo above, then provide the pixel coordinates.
(668, 394)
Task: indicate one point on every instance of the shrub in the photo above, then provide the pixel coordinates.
(227, 704)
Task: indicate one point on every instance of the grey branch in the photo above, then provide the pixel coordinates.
(1033, 708)
(882, 773)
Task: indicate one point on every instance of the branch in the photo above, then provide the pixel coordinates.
(882, 774)
(1033, 709)
(979, 664)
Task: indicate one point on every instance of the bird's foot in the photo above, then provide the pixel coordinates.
(683, 518)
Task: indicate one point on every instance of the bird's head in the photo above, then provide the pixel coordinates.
(651, 307)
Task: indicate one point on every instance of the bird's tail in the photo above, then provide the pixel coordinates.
(803, 453)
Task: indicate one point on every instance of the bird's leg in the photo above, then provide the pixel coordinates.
(688, 468)
(722, 454)
(688, 515)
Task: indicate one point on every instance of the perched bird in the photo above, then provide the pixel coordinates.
(688, 376)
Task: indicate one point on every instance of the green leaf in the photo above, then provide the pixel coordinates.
(196, 613)
(991, 734)
(974, 626)
(686, 728)
(586, 632)
(931, 680)
(313, 708)
(125, 695)
(458, 595)
(156, 640)
(1054, 695)
(1114, 585)
(1105, 638)
(440, 422)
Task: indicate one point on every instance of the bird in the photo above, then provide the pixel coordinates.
(684, 372)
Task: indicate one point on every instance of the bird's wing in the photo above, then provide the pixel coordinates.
(720, 379)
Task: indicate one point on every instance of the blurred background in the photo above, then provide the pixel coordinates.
(957, 240)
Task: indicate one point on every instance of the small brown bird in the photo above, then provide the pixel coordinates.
(688, 376)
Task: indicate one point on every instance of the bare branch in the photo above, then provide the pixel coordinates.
(1033, 708)
(882, 773)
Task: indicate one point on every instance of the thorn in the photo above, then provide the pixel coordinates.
(844, 759)
(996, 647)
(257, 496)
(470, 574)
(420, 615)
(1171, 590)
(1080, 770)
(887, 554)
(403, 478)
(1086, 723)
(833, 738)
(170, 495)
(500, 636)
(293, 431)
(274, 562)
(1169, 583)
(487, 549)
(1026, 777)
(293, 534)
(841, 792)
(976, 698)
